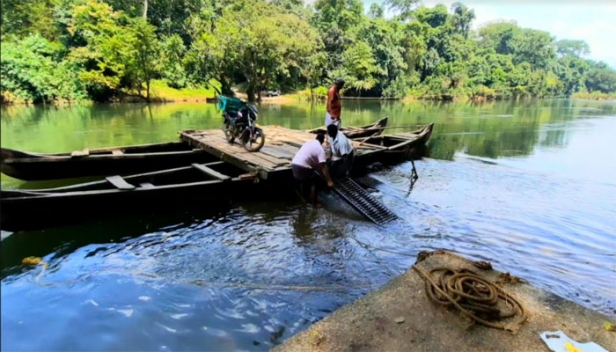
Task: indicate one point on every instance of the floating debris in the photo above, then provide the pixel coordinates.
(31, 261)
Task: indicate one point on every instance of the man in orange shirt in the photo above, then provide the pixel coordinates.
(333, 104)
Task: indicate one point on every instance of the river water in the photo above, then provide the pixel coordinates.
(529, 186)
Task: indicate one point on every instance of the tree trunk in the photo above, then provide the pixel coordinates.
(250, 92)
(225, 86)
(147, 87)
(145, 8)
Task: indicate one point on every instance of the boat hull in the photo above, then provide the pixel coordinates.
(36, 167)
(374, 129)
(52, 210)
(213, 184)
(180, 188)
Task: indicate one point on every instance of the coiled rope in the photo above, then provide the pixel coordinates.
(478, 299)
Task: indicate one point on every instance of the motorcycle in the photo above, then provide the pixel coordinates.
(239, 122)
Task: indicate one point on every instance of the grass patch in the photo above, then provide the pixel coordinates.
(594, 96)
(160, 90)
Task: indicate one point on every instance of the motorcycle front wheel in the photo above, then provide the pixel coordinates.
(229, 135)
(255, 142)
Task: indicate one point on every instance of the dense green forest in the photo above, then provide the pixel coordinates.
(106, 49)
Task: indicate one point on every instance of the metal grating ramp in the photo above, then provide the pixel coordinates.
(363, 202)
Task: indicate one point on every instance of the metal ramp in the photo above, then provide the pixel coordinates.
(363, 202)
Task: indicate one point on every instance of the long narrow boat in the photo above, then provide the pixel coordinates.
(197, 185)
(98, 162)
(352, 132)
(395, 147)
(122, 160)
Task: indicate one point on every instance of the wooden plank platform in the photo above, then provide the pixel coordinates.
(281, 145)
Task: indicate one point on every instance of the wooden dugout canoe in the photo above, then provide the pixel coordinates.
(99, 162)
(196, 185)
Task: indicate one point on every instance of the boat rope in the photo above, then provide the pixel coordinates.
(475, 297)
(369, 246)
(37, 261)
(38, 277)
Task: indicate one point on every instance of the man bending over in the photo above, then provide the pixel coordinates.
(309, 158)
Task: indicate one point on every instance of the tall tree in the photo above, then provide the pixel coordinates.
(376, 11)
(402, 8)
(145, 53)
(258, 41)
(577, 48)
(462, 19)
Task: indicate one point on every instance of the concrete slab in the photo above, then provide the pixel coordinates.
(400, 317)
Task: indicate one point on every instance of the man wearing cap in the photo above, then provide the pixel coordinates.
(333, 104)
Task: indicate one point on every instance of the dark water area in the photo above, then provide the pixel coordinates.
(530, 187)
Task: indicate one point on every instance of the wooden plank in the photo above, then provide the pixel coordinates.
(119, 182)
(211, 172)
(295, 144)
(271, 159)
(79, 153)
(289, 149)
(214, 163)
(368, 146)
(223, 156)
(254, 159)
(277, 152)
(247, 176)
(117, 152)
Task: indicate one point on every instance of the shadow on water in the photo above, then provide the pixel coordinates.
(64, 240)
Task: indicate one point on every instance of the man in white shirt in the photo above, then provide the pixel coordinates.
(341, 151)
(304, 164)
